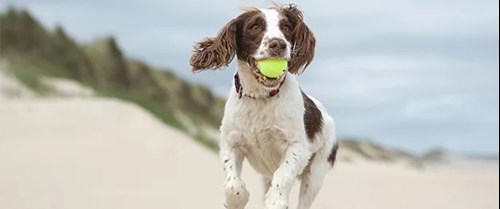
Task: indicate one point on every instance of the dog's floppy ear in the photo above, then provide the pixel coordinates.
(303, 42)
(217, 52)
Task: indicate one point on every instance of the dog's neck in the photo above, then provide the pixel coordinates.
(250, 87)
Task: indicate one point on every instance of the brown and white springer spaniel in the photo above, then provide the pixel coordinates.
(283, 133)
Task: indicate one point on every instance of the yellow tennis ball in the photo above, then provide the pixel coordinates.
(272, 68)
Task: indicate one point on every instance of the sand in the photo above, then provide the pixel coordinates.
(91, 153)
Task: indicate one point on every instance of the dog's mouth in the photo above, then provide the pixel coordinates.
(261, 78)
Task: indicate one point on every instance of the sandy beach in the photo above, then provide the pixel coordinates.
(95, 153)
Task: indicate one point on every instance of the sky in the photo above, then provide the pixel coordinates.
(408, 74)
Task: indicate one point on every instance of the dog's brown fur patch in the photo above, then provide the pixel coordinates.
(333, 155)
(313, 119)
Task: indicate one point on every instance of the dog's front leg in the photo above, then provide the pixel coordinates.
(234, 188)
(295, 160)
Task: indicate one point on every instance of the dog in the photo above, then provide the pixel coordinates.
(283, 132)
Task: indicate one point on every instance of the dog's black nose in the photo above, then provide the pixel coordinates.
(277, 47)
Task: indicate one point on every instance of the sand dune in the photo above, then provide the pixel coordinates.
(89, 153)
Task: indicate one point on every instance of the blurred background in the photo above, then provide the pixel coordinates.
(99, 108)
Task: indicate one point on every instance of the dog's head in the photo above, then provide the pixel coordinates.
(258, 34)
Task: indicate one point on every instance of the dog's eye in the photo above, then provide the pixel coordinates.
(287, 28)
(254, 27)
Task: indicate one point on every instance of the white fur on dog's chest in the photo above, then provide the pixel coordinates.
(264, 150)
(261, 130)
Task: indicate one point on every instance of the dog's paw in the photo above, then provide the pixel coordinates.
(236, 194)
(275, 199)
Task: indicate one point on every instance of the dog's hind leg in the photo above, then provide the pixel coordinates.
(312, 179)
